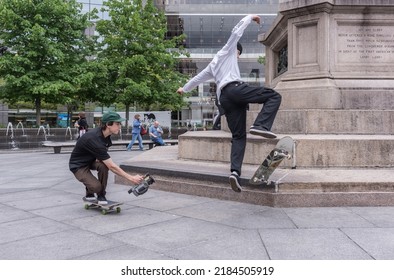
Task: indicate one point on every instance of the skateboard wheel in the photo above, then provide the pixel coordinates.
(118, 209)
(86, 206)
(104, 212)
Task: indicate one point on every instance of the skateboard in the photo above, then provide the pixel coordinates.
(112, 206)
(283, 149)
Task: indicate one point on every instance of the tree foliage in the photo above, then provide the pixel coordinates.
(141, 63)
(46, 56)
(49, 59)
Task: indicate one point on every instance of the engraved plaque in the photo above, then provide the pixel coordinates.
(365, 43)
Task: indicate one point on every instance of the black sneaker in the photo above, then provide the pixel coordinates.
(234, 182)
(258, 130)
(102, 200)
(90, 197)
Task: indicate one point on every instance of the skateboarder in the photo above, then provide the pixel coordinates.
(234, 96)
(91, 153)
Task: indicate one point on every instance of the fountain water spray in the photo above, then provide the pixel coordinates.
(44, 131)
(20, 124)
(10, 128)
(68, 130)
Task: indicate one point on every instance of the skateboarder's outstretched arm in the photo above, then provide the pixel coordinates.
(134, 179)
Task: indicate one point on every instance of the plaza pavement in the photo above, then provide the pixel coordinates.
(43, 217)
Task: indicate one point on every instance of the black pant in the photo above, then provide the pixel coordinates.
(234, 99)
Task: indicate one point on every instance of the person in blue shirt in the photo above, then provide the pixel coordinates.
(156, 134)
(234, 96)
(136, 133)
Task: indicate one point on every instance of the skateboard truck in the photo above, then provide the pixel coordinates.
(143, 186)
(263, 181)
(281, 154)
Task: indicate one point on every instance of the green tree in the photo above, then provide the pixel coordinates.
(261, 59)
(47, 52)
(140, 61)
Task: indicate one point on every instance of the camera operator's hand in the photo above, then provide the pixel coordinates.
(135, 179)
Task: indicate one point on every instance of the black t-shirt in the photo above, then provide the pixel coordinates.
(91, 146)
(83, 124)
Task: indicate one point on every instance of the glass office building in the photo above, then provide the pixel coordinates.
(207, 25)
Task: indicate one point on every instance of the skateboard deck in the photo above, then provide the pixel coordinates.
(282, 150)
(112, 206)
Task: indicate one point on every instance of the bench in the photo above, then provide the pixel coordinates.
(57, 146)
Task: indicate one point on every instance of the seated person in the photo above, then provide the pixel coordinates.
(155, 133)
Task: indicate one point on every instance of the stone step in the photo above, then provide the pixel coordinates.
(333, 121)
(364, 94)
(313, 121)
(311, 150)
(295, 187)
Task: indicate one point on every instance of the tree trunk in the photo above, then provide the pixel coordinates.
(127, 117)
(69, 115)
(38, 111)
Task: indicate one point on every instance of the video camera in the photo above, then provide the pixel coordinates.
(143, 186)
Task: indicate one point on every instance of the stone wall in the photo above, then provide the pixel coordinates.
(340, 54)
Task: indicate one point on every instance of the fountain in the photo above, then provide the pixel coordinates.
(169, 132)
(44, 131)
(10, 128)
(20, 124)
(68, 130)
(48, 129)
(120, 134)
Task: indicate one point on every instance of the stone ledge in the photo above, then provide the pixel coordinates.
(296, 187)
(312, 150)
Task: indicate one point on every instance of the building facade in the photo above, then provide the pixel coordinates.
(207, 25)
